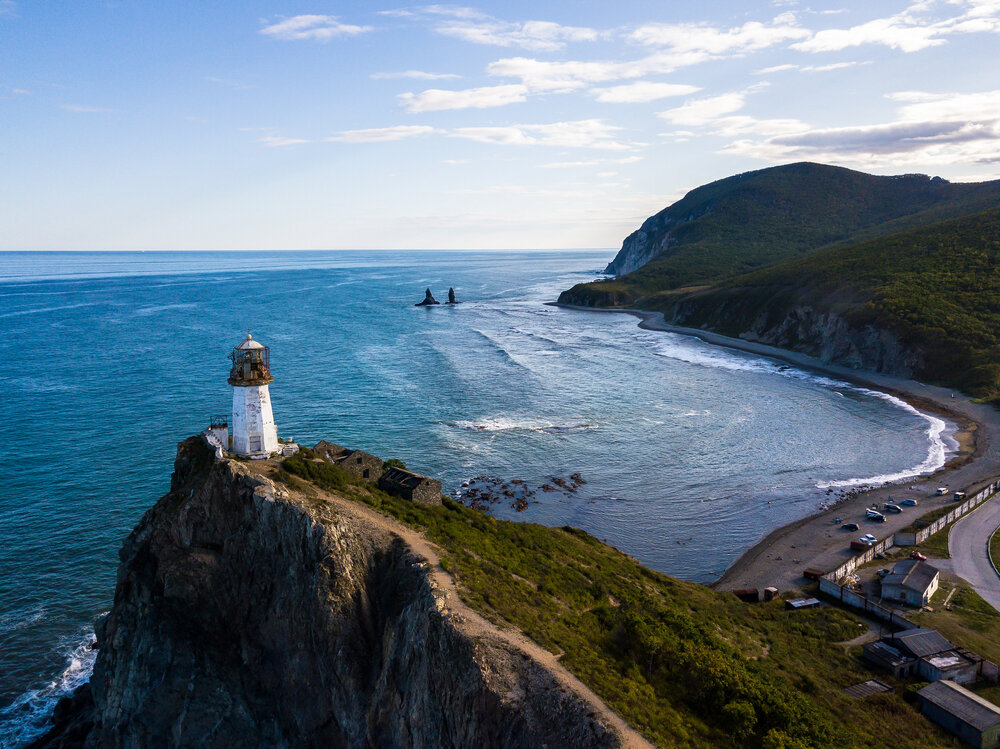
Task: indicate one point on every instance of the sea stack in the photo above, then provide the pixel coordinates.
(428, 299)
(451, 296)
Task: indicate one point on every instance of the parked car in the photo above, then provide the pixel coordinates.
(942, 490)
(959, 496)
(882, 572)
(851, 527)
(868, 538)
(908, 502)
(893, 508)
(917, 555)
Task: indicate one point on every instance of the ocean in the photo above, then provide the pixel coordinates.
(680, 453)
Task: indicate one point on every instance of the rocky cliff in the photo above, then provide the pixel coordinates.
(653, 238)
(787, 323)
(248, 615)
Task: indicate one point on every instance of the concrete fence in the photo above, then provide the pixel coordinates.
(856, 600)
(861, 559)
(918, 537)
(829, 583)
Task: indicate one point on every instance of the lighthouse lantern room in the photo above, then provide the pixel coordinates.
(253, 429)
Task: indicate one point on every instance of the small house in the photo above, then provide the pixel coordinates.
(911, 581)
(356, 462)
(958, 666)
(890, 659)
(919, 642)
(973, 719)
(411, 486)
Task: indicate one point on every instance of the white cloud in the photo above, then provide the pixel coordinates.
(643, 91)
(312, 27)
(691, 37)
(677, 46)
(812, 68)
(435, 99)
(716, 115)
(910, 30)
(704, 111)
(931, 129)
(476, 27)
(382, 134)
(578, 134)
(20, 92)
(276, 141)
(775, 69)
(543, 36)
(415, 74)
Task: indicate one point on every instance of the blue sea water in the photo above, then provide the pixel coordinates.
(690, 452)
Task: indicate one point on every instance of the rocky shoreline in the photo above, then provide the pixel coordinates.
(815, 541)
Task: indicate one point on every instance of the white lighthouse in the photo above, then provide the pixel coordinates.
(254, 432)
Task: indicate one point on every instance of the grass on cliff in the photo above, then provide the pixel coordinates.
(687, 666)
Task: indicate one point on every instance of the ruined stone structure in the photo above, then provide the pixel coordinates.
(356, 462)
(411, 486)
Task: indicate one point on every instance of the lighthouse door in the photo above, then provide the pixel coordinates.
(255, 443)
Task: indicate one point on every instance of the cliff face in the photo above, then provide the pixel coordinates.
(653, 238)
(244, 616)
(787, 324)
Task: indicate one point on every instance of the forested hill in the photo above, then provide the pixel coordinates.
(757, 219)
(936, 290)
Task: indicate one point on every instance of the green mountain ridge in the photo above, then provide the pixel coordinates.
(757, 219)
(916, 258)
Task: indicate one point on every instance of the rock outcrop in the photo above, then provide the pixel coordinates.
(451, 296)
(246, 615)
(654, 237)
(428, 300)
(792, 325)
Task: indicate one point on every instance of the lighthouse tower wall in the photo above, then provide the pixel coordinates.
(253, 422)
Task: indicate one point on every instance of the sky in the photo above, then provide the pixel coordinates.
(516, 125)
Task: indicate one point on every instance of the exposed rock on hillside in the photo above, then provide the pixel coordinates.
(244, 616)
(823, 334)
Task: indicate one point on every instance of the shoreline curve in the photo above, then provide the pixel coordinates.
(780, 555)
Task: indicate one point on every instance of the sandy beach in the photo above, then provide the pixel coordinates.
(818, 541)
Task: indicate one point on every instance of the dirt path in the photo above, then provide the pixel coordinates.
(475, 625)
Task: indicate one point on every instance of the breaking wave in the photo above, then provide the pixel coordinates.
(27, 717)
(940, 442)
(506, 424)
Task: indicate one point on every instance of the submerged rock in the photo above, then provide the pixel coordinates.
(428, 299)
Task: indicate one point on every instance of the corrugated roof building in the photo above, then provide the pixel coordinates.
(967, 715)
(911, 581)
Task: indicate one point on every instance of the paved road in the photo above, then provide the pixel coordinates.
(968, 543)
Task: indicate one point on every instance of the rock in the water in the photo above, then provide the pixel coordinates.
(451, 296)
(428, 299)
